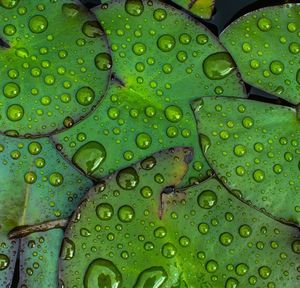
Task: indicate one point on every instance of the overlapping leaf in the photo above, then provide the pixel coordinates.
(110, 216)
(160, 58)
(200, 237)
(254, 148)
(265, 46)
(55, 66)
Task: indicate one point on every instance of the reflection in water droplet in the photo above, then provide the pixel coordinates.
(89, 157)
(68, 249)
(218, 65)
(153, 277)
(128, 178)
(102, 273)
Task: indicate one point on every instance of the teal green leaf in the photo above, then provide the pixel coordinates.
(254, 148)
(37, 184)
(265, 46)
(205, 237)
(116, 213)
(8, 256)
(39, 255)
(149, 109)
(55, 67)
(200, 8)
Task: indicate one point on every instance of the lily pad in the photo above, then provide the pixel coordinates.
(200, 8)
(199, 237)
(265, 45)
(106, 216)
(37, 184)
(254, 148)
(55, 65)
(39, 255)
(147, 108)
(8, 256)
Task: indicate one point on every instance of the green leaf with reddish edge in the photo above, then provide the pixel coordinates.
(37, 184)
(55, 68)
(39, 255)
(149, 111)
(265, 45)
(8, 256)
(254, 148)
(84, 250)
(200, 8)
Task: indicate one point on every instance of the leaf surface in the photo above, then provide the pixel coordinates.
(55, 67)
(254, 149)
(265, 45)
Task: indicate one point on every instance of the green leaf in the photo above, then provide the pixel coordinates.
(55, 67)
(8, 256)
(204, 238)
(201, 8)
(254, 148)
(265, 46)
(39, 255)
(111, 214)
(149, 109)
(37, 185)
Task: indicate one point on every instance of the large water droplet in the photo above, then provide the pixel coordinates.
(153, 277)
(169, 250)
(85, 96)
(38, 24)
(166, 43)
(103, 61)
(70, 9)
(126, 213)
(68, 249)
(134, 7)
(102, 273)
(92, 29)
(89, 157)
(218, 65)
(128, 178)
(207, 199)
(104, 211)
(15, 112)
(9, 4)
(4, 262)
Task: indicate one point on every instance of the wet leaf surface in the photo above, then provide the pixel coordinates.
(265, 46)
(254, 149)
(39, 255)
(56, 68)
(162, 60)
(37, 184)
(112, 215)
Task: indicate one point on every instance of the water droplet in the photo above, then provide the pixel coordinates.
(184, 241)
(276, 67)
(226, 238)
(218, 65)
(204, 142)
(143, 140)
(211, 266)
(231, 283)
(89, 157)
(245, 231)
(146, 192)
(153, 277)
(85, 96)
(294, 48)
(15, 112)
(166, 43)
(264, 272)
(248, 122)
(241, 269)
(296, 246)
(38, 24)
(126, 213)
(264, 24)
(84, 232)
(134, 7)
(160, 14)
(22, 53)
(298, 76)
(9, 4)
(68, 249)
(207, 199)
(104, 273)
(4, 260)
(169, 250)
(56, 179)
(148, 163)
(258, 175)
(239, 150)
(34, 148)
(92, 29)
(139, 48)
(70, 9)
(203, 228)
(104, 211)
(173, 113)
(11, 90)
(160, 232)
(30, 177)
(103, 61)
